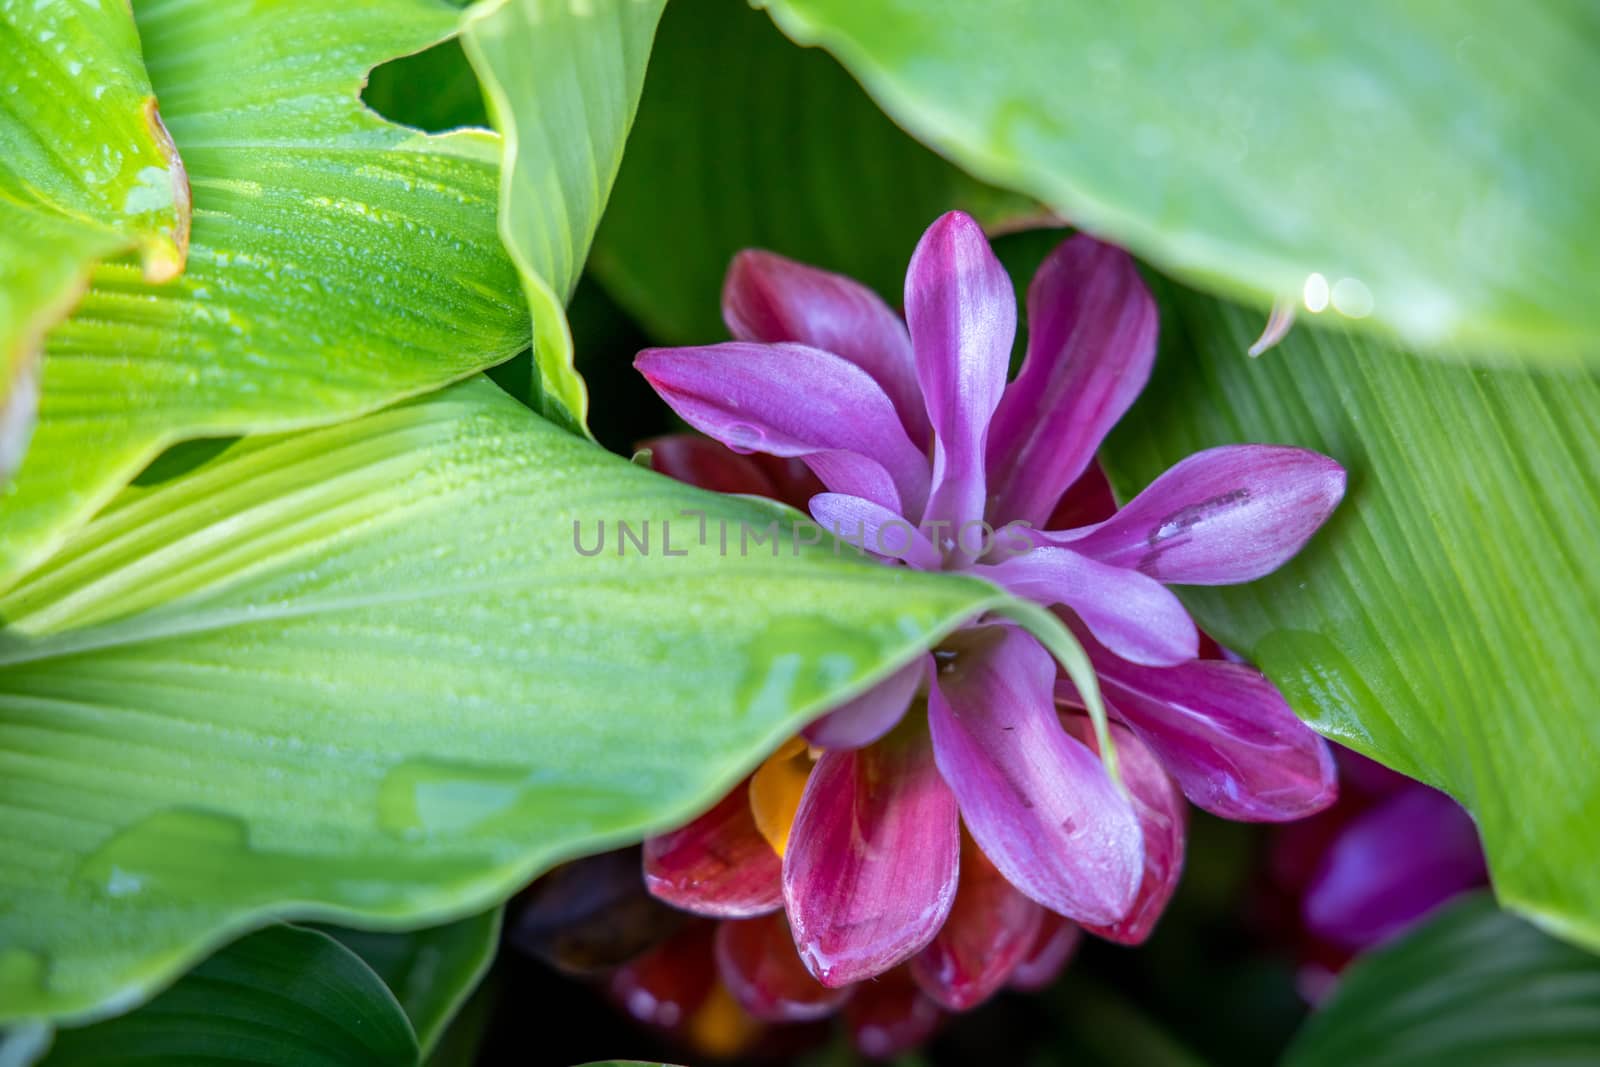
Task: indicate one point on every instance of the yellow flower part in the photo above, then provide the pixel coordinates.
(775, 791)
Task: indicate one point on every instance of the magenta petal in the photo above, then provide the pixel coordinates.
(1130, 613)
(1091, 343)
(1037, 801)
(963, 316)
(1225, 733)
(1225, 515)
(770, 298)
(758, 964)
(874, 713)
(790, 400)
(1053, 947)
(990, 930)
(1392, 865)
(870, 872)
(708, 464)
(718, 865)
(865, 525)
(1163, 821)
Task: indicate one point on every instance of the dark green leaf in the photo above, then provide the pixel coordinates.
(432, 971)
(434, 90)
(1473, 987)
(744, 141)
(283, 997)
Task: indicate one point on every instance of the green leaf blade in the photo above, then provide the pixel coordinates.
(1470, 986)
(1418, 156)
(1442, 622)
(801, 161)
(431, 972)
(562, 82)
(337, 262)
(283, 996)
(88, 172)
(363, 674)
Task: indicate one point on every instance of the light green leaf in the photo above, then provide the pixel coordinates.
(562, 80)
(336, 264)
(363, 674)
(1473, 987)
(1432, 161)
(282, 997)
(431, 972)
(1444, 621)
(769, 146)
(86, 171)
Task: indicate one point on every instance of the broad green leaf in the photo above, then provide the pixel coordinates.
(767, 146)
(86, 171)
(363, 674)
(1430, 162)
(1473, 987)
(562, 80)
(336, 263)
(431, 972)
(281, 997)
(1444, 621)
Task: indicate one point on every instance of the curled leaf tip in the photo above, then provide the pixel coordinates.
(163, 257)
(1279, 322)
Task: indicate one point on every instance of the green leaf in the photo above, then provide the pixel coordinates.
(1432, 161)
(562, 80)
(87, 172)
(337, 262)
(1444, 621)
(459, 1043)
(363, 674)
(1473, 986)
(282, 996)
(771, 147)
(435, 90)
(431, 972)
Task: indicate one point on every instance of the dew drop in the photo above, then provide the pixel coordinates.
(423, 797)
(1352, 298)
(1316, 293)
(169, 852)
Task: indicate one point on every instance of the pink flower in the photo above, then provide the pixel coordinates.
(911, 425)
(1385, 857)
